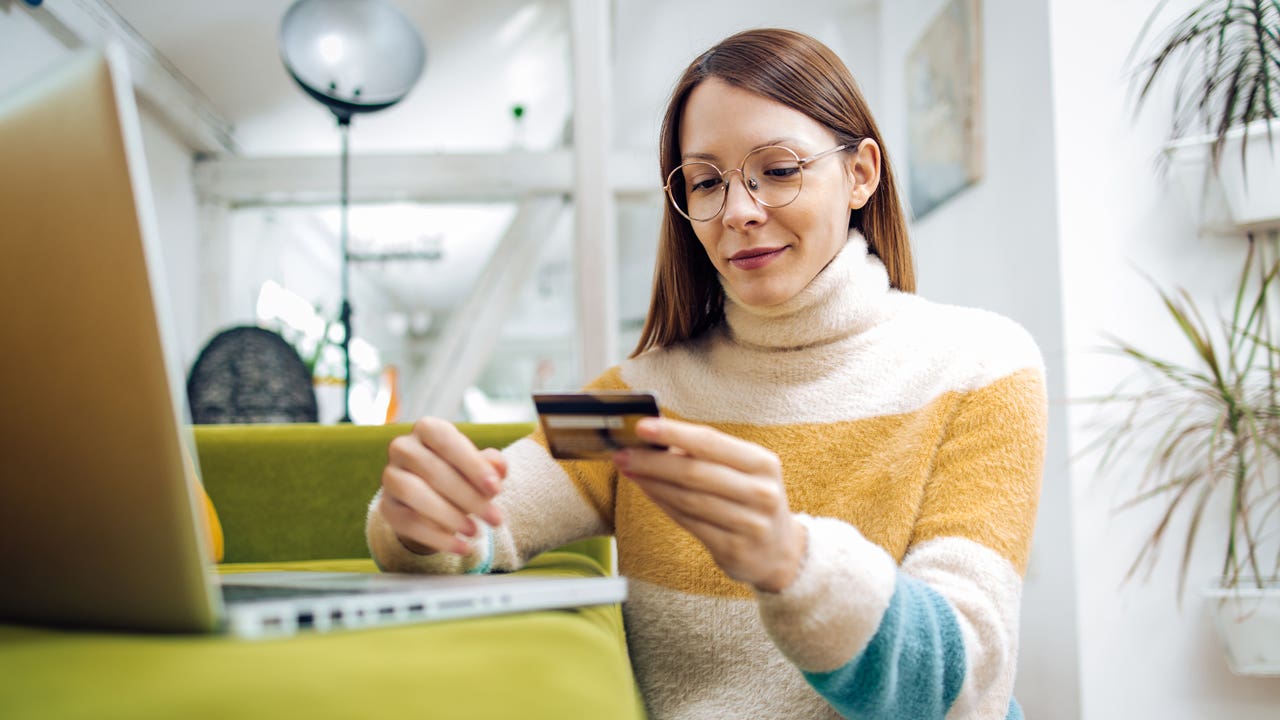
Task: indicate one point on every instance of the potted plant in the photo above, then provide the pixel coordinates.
(1211, 431)
(1224, 56)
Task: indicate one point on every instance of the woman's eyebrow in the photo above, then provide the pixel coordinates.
(713, 156)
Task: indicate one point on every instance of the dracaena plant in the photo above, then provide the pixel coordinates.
(1209, 426)
(1225, 58)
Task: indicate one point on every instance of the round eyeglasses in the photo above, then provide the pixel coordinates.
(773, 175)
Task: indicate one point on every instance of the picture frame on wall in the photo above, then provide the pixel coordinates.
(944, 107)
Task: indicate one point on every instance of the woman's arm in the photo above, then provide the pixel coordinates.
(936, 637)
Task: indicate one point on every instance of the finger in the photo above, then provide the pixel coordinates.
(419, 533)
(454, 488)
(683, 470)
(423, 536)
(496, 460)
(690, 503)
(447, 441)
(714, 537)
(761, 492)
(409, 454)
(405, 489)
(708, 443)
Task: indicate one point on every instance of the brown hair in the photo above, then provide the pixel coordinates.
(801, 73)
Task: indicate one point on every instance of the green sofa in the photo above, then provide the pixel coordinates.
(294, 497)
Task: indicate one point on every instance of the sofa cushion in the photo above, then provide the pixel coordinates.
(555, 664)
(299, 492)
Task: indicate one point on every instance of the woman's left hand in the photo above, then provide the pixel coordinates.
(727, 492)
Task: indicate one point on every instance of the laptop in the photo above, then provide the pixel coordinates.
(98, 518)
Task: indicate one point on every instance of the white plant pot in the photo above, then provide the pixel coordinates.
(1231, 200)
(1248, 621)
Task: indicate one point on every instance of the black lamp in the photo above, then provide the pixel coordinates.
(353, 56)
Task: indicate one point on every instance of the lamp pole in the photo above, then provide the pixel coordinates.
(337, 50)
(344, 128)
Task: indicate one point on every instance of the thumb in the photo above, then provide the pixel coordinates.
(497, 460)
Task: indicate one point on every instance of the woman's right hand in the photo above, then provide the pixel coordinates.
(434, 482)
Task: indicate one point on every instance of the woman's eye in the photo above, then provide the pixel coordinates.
(704, 185)
(782, 173)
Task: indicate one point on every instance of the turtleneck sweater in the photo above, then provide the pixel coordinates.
(911, 436)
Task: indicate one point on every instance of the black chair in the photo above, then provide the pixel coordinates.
(250, 375)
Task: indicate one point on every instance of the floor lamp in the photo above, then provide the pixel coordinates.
(353, 56)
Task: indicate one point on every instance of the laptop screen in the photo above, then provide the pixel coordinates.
(97, 523)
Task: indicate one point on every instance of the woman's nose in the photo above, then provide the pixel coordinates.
(740, 207)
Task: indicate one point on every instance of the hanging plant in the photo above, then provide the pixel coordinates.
(1225, 56)
(1217, 424)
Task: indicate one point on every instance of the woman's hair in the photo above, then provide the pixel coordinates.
(803, 74)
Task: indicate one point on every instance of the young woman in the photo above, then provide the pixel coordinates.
(843, 518)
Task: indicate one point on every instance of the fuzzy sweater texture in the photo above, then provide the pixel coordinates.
(912, 438)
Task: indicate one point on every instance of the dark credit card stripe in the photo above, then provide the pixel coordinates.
(579, 407)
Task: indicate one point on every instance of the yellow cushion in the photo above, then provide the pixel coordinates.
(212, 527)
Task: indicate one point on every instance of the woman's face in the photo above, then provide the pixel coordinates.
(768, 255)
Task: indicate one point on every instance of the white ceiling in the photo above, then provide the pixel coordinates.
(482, 58)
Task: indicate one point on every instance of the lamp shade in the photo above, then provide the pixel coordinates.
(352, 55)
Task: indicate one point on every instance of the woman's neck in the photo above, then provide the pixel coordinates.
(847, 297)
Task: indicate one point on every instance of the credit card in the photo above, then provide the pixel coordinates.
(593, 425)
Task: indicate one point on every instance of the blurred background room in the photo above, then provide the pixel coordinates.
(503, 220)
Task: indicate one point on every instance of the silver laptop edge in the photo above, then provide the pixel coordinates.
(472, 596)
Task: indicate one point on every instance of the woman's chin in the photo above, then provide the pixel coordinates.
(763, 295)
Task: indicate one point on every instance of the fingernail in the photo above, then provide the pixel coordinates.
(460, 547)
(648, 426)
(470, 529)
(622, 458)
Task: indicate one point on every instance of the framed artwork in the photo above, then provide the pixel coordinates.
(944, 107)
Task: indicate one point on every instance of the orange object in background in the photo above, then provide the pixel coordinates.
(212, 526)
(391, 376)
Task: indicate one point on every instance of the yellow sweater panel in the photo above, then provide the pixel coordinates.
(966, 465)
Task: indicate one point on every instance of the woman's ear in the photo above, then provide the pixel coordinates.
(864, 171)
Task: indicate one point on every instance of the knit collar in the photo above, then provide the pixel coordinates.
(847, 297)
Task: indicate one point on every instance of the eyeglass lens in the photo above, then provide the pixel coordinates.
(771, 174)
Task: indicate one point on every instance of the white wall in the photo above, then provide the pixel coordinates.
(1140, 656)
(26, 47)
(995, 246)
(29, 46)
(169, 164)
(655, 41)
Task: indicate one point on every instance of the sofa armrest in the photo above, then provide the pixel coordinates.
(299, 492)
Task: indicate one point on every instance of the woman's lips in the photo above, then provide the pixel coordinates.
(755, 259)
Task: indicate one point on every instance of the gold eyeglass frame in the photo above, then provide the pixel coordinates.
(724, 176)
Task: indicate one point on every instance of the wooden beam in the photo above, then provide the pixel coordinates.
(176, 101)
(472, 332)
(422, 177)
(216, 305)
(595, 217)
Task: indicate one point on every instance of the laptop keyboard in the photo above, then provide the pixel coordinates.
(246, 593)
